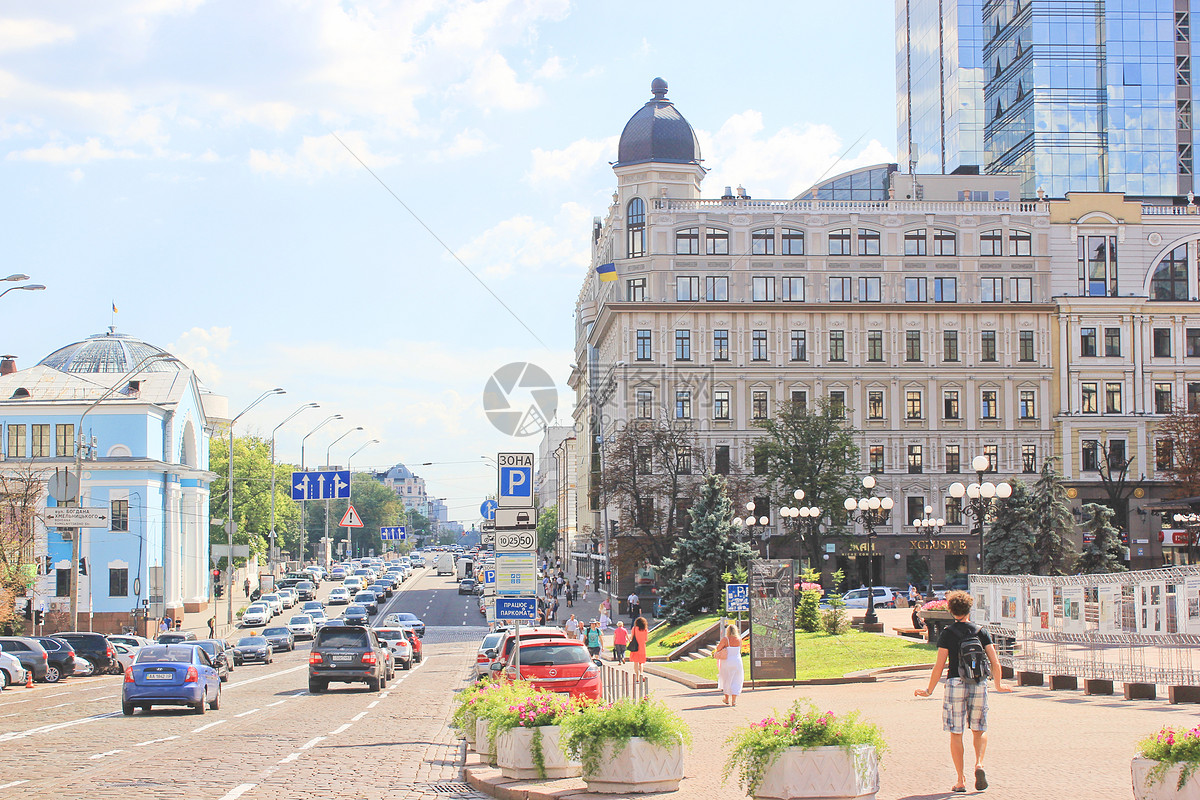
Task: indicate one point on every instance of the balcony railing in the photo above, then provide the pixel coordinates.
(852, 206)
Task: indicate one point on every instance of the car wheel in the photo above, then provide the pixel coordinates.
(216, 701)
(3, 680)
(127, 708)
(225, 678)
(52, 674)
(199, 707)
(374, 684)
(408, 664)
(316, 686)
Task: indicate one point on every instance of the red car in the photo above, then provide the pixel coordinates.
(558, 665)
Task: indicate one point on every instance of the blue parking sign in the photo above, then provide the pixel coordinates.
(737, 597)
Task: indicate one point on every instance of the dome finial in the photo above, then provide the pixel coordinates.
(658, 87)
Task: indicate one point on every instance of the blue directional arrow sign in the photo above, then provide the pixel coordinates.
(395, 532)
(488, 509)
(737, 597)
(331, 484)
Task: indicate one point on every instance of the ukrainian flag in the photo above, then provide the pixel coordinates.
(607, 272)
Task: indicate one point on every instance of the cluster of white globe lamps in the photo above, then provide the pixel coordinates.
(790, 512)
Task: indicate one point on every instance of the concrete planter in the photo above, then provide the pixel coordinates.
(824, 772)
(1165, 789)
(469, 736)
(514, 755)
(637, 767)
(482, 746)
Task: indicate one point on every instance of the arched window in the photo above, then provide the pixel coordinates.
(945, 243)
(1170, 281)
(868, 242)
(793, 242)
(839, 242)
(716, 242)
(1021, 241)
(687, 242)
(763, 242)
(991, 243)
(635, 221)
(914, 242)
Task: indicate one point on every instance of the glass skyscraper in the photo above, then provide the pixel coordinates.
(1077, 95)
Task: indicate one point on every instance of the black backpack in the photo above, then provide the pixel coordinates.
(973, 664)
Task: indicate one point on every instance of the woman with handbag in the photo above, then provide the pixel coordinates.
(730, 673)
(637, 645)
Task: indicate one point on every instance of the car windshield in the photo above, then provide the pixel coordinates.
(275, 632)
(551, 655)
(175, 655)
(356, 609)
(256, 607)
(342, 639)
(390, 635)
(252, 641)
(304, 585)
(303, 619)
(491, 640)
(404, 615)
(209, 646)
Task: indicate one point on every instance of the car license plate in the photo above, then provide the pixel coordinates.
(158, 676)
(343, 658)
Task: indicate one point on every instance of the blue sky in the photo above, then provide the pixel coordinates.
(177, 156)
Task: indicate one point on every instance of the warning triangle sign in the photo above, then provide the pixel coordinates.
(351, 519)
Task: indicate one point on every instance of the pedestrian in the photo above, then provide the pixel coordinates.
(575, 586)
(620, 639)
(164, 625)
(246, 587)
(592, 638)
(965, 702)
(637, 645)
(553, 617)
(212, 627)
(572, 628)
(604, 621)
(913, 595)
(635, 605)
(730, 672)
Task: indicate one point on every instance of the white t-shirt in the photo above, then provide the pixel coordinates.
(632, 599)
(572, 626)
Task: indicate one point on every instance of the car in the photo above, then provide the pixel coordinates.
(369, 599)
(302, 627)
(60, 661)
(479, 587)
(274, 601)
(175, 637)
(318, 617)
(32, 655)
(306, 590)
(354, 583)
(383, 586)
(125, 655)
(221, 659)
(500, 653)
(339, 596)
(311, 605)
(398, 642)
(95, 647)
(405, 618)
(415, 641)
(347, 654)
(288, 596)
(562, 666)
(171, 675)
(466, 586)
(489, 642)
(256, 614)
(337, 574)
(356, 614)
(12, 671)
(280, 637)
(254, 648)
(857, 598)
(130, 639)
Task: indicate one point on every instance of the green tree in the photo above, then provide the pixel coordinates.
(1103, 552)
(252, 495)
(1052, 523)
(547, 529)
(810, 448)
(1009, 540)
(377, 507)
(701, 555)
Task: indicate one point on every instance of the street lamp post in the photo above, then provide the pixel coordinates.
(349, 459)
(229, 491)
(980, 496)
(872, 511)
(304, 502)
(29, 287)
(932, 526)
(751, 520)
(290, 417)
(327, 451)
(807, 516)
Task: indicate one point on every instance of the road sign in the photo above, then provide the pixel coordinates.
(487, 509)
(515, 518)
(516, 574)
(72, 517)
(516, 541)
(489, 577)
(517, 609)
(737, 597)
(216, 551)
(63, 486)
(516, 480)
(487, 538)
(351, 519)
(330, 484)
(395, 532)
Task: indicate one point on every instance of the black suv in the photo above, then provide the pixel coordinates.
(306, 590)
(347, 654)
(60, 658)
(95, 648)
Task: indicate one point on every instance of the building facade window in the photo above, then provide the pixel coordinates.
(1112, 342)
(1025, 345)
(987, 404)
(683, 345)
(841, 290)
(837, 345)
(991, 243)
(635, 290)
(1029, 458)
(945, 243)
(987, 346)
(1162, 343)
(1090, 455)
(1089, 394)
(945, 290)
(683, 404)
(644, 350)
(874, 345)
(837, 404)
(1087, 342)
(1162, 398)
(645, 460)
(991, 290)
(875, 459)
(118, 582)
(912, 405)
(950, 345)
(800, 399)
(798, 346)
(683, 460)
(687, 242)
(721, 404)
(1021, 242)
(875, 404)
(1022, 290)
(1170, 279)
(914, 242)
(992, 453)
(839, 242)
(953, 511)
(716, 242)
(1192, 342)
(758, 404)
(1193, 398)
(870, 290)
(915, 290)
(17, 441)
(1112, 398)
(763, 289)
(39, 443)
(720, 344)
(1027, 405)
(762, 242)
(793, 289)
(953, 464)
(716, 288)
(792, 240)
(721, 459)
(758, 345)
(645, 404)
(635, 224)
(119, 515)
(912, 345)
(687, 288)
(915, 460)
(950, 404)
(1097, 257)
(868, 242)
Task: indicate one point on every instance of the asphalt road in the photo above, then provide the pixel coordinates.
(269, 739)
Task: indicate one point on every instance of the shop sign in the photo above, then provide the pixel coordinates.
(862, 547)
(954, 545)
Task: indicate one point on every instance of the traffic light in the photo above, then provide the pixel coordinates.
(39, 616)
(607, 576)
(28, 609)
(83, 566)
(218, 590)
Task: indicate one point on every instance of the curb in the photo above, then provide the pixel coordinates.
(490, 781)
(864, 676)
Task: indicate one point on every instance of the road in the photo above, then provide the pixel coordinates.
(270, 739)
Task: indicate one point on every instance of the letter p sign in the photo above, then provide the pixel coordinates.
(515, 488)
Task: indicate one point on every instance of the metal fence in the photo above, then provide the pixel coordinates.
(620, 684)
(1131, 627)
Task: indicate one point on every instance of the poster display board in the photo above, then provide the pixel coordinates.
(1109, 621)
(1072, 597)
(1009, 608)
(772, 620)
(1152, 601)
(1189, 605)
(982, 612)
(1041, 608)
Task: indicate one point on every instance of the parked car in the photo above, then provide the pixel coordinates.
(95, 647)
(31, 654)
(130, 639)
(124, 653)
(60, 662)
(274, 601)
(176, 637)
(368, 599)
(255, 648)
(405, 618)
(857, 598)
(466, 586)
(482, 661)
(356, 615)
(171, 675)
(499, 654)
(399, 644)
(280, 638)
(339, 596)
(12, 671)
(256, 614)
(302, 627)
(415, 641)
(219, 655)
(563, 666)
(347, 654)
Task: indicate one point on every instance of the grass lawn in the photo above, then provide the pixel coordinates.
(668, 637)
(819, 655)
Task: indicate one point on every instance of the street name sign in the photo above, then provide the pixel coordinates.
(74, 517)
(516, 574)
(330, 484)
(516, 480)
(351, 519)
(737, 597)
(516, 609)
(516, 541)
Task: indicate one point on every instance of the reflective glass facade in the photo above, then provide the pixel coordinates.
(869, 183)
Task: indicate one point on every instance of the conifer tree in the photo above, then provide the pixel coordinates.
(1103, 553)
(1052, 523)
(1009, 540)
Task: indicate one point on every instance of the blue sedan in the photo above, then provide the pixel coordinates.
(171, 675)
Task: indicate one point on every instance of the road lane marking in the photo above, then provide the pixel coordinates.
(289, 759)
(209, 725)
(263, 678)
(11, 784)
(106, 753)
(105, 697)
(340, 729)
(277, 703)
(358, 716)
(5, 737)
(374, 703)
(238, 791)
(311, 743)
(60, 694)
(248, 713)
(60, 705)
(155, 741)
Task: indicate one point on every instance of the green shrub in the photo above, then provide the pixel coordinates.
(586, 733)
(534, 711)
(1171, 746)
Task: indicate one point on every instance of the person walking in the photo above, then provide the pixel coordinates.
(965, 702)
(637, 645)
(246, 586)
(604, 621)
(587, 586)
(212, 627)
(164, 625)
(592, 638)
(730, 672)
(620, 639)
(572, 628)
(635, 605)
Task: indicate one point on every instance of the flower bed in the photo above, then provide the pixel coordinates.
(1170, 760)
(527, 735)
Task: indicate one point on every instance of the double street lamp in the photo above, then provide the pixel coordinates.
(872, 511)
(931, 526)
(327, 464)
(807, 516)
(289, 418)
(981, 496)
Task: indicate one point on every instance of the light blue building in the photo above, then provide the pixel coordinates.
(145, 460)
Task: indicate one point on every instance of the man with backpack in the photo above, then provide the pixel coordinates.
(969, 656)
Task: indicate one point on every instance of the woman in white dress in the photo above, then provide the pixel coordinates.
(730, 673)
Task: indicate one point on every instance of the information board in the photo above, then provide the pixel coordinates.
(772, 620)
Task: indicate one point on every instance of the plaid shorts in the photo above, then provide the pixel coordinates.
(964, 702)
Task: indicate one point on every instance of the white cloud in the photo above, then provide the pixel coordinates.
(55, 153)
(316, 156)
(552, 69)
(201, 349)
(75, 175)
(466, 144)
(522, 244)
(493, 85)
(27, 34)
(573, 161)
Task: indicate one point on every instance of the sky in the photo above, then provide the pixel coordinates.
(181, 160)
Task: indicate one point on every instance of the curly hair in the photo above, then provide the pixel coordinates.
(959, 603)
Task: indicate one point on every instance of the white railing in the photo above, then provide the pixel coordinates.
(852, 206)
(1168, 211)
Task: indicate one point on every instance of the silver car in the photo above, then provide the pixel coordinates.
(11, 671)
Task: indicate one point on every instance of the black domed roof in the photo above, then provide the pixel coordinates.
(109, 352)
(658, 132)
